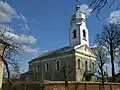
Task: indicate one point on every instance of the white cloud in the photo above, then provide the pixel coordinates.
(23, 27)
(21, 38)
(7, 13)
(114, 17)
(34, 51)
(3, 27)
(26, 27)
(30, 50)
(29, 38)
(85, 9)
(23, 18)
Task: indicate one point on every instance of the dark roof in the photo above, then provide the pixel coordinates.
(118, 74)
(54, 53)
(88, 73)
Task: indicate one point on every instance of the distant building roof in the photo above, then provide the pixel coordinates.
(89, 73)
(118, 74)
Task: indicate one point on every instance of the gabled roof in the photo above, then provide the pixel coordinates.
(62, 51)
(84, 49)
(53, 53)
(56, 52)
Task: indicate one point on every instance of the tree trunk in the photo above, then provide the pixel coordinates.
(101, 68)
(112, 63)
(102, 75)
(1, 73)
(102, 78)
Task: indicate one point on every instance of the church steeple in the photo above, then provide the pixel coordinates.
(78, 30)
(77, 5)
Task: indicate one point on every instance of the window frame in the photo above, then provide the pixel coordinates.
(84, 34)
(74, 34)
(93, 66)
(57, 65)
(86, 65)
(46, 66)
(78, 63)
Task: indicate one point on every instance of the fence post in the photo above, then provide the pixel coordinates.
(110, 87)
(85, 86)
(99, 87)
(76, 86)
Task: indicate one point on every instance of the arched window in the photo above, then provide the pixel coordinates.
(84, 34)
(78, 63)
(38, 66)
(93, 66)
(90, 66)
(46, 66)
(30, 67)
(86, 66)
(74, 33)
(58, 65)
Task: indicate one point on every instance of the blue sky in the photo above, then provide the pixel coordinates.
(46, 24)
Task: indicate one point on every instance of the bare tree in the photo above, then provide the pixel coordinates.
(66, 70)
(10, 50)
(98, 5)
(14, 71)
(101, 54)
(110, 38)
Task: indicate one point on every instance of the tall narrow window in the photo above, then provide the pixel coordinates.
(38, 67)
(30, 67)
(84, 34)
(58, 65)
(46, 66)
(90, 65)
(93, 66)
(86, 66)
(74, 34)
(78, 63)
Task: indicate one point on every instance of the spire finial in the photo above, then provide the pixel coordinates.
(78, 2)
(78, 5)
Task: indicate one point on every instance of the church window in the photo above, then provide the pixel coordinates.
(58, 65)
(86, 66)
(93, 66)
(90, 64)
(38, 67)
(84, 34)
(74, 34)
(46, 66)
(78, 63)
(30, 67)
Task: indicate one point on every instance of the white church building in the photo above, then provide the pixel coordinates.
(77, 61)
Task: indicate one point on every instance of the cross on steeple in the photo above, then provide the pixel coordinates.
(77, 5)
(78, 2)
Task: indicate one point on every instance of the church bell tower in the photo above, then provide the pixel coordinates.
(78, 31)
